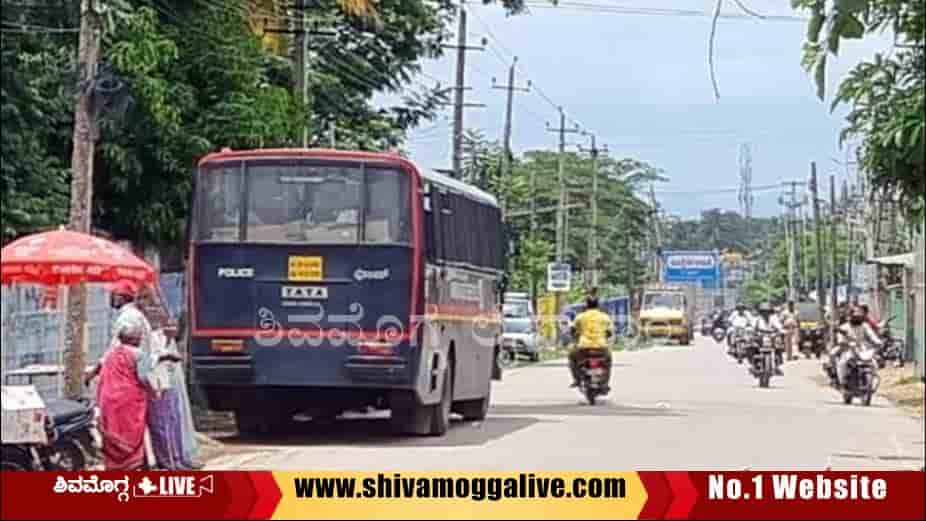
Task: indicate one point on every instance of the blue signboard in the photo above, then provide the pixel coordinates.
(618, 308)
(693, 267)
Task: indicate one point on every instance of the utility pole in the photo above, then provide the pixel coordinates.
(791, 236)
(79, 219)
(818, 227)
(835, 241)
(298, 28)
(299, 57)
(506, 158)
(561, 210)
(593, 260)
(459, 88)
(332, 134)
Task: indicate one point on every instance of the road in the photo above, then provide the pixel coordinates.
(671, 408)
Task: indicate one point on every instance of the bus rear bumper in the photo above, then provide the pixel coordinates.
(223, 370)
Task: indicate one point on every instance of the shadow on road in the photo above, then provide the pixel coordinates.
(565, 363)
(578, 408)
(377, 432)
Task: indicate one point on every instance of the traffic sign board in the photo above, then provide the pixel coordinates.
(559, 277)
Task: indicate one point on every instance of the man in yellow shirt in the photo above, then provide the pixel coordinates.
(592, 330)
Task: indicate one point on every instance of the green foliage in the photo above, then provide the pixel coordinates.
(886, 94)
(720, 230)
(197, 79)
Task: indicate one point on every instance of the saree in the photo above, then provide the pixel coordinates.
(123, 402)
(169, 421)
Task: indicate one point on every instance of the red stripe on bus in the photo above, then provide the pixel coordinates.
(311, 333)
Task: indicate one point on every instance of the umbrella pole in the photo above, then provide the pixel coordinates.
(63, 297)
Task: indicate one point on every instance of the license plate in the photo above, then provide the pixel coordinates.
(596, 372)
(306, 269)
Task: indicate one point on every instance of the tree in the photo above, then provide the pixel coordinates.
(885, 95)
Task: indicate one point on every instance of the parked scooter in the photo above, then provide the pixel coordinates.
(893, 349)
(862, 380)
(73, 440)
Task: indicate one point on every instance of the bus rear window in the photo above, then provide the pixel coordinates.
(300, 202)
(219, 213)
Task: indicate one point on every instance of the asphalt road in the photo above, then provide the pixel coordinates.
(671, 408)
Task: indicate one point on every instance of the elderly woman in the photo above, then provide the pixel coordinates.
(122, 397)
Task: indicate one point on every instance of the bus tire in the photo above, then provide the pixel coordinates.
(440, 415)
(249, 423)
(474, 410)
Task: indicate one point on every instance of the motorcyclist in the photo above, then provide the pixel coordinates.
(592, 328)
(855, 329)
(740, 319)
(870, 320)
(768, 323)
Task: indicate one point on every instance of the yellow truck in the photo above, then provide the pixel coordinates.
(668, 312)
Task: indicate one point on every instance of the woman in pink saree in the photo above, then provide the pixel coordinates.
(122, 397)
(123, 402)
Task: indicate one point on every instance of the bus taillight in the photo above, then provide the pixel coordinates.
(227, 346)
(376, 348)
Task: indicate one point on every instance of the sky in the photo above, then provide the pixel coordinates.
(642, 84)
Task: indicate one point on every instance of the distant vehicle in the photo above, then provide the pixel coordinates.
(812, 331)
(519, 337)
(668, 312)
(517, 305)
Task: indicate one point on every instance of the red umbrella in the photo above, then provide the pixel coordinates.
(63, 257)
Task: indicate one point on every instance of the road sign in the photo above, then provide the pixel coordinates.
(702, 268)
(559, 277)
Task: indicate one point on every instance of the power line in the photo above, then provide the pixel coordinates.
(667, 12)
(736, 190)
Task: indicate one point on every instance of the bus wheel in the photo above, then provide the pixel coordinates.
(440, 416)
(474, 410)
(248, 423)
(408, 416)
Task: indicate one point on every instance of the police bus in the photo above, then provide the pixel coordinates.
(323, 281)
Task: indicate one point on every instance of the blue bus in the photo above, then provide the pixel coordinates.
(324, 281)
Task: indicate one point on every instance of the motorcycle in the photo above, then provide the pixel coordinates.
(707, 326)
(813, 341)
(741, 340)
(765, 359)
(862, 380)
(594, 374)
(892, 349)
(73, 440)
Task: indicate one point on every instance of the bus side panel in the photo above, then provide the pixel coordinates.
(462, 312)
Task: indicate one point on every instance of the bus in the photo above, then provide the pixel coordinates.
(323, 281)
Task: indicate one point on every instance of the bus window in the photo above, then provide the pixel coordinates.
(221, 203)
(304, 203)
(388, 213)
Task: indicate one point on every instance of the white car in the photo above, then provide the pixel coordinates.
(520, 337)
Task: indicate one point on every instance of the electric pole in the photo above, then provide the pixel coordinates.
(79, 219)
(815, 191)
(299, 58)
(791, 236)
(835, 241)
(561, 205)
(506, 158)
(459, 88)
(298, 28)
(593, 234)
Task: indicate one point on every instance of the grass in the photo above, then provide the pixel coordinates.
(904, 389)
